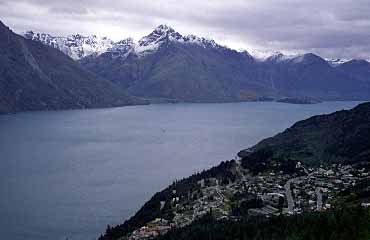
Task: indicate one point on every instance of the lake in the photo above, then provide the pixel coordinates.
(67, 174)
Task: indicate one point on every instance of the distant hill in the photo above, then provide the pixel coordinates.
(297, 100)
(309, 75)
(37, 77)
(340, 137)
(357, 69)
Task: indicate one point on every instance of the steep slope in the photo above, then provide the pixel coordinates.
(340, 137)
(38, 77)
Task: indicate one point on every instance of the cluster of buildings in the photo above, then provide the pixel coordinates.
(152, 229)
(317, 190)
(275, 193)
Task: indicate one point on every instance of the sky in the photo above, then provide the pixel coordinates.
(332, 28)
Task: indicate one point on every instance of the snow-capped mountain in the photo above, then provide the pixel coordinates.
(164, 33)
(168, 65)
(150, 43)
(76, 46)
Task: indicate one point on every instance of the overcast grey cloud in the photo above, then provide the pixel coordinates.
(337, 28)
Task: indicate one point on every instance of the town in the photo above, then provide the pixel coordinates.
(265, 194)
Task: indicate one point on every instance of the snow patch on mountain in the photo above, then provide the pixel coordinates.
(334, 62)
(76, 46)
(201, 41)
(263, 55)
(122, 48)
(271, 55)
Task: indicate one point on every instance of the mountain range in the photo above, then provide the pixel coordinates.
(40, 72)
(167, 65)
(38, 77)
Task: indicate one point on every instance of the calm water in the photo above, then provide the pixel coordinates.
(68, 174)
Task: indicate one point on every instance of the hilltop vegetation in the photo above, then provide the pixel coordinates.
(340, 137)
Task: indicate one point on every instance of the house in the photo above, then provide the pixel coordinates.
(274, 199)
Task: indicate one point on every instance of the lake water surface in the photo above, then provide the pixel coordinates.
(67, 174)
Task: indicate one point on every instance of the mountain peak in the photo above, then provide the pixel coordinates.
(309, 58)
(159, 34)
(164, 28)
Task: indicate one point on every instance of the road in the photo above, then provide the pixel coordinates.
(319, 198)
(289, 196)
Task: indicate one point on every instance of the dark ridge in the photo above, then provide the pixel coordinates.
(339, 137)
